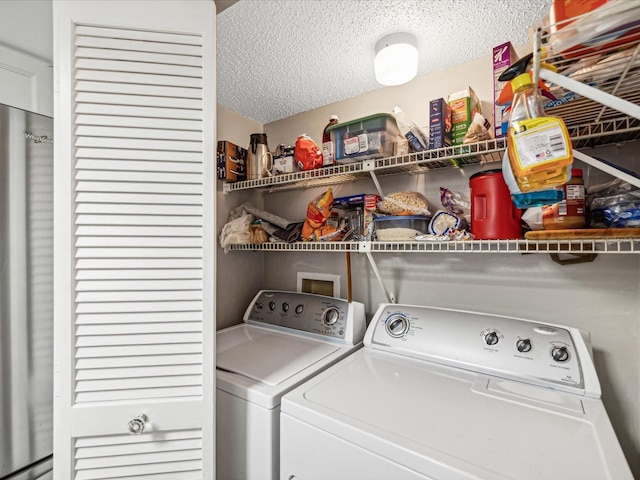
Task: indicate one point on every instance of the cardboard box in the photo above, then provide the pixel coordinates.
(284, 164)
(370, 204)
(503, 56)
(440, 132)
(464, 104)
(231, 162)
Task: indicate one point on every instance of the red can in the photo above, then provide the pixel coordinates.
(493, 214)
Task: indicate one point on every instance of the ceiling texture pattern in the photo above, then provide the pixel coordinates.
(277, 58)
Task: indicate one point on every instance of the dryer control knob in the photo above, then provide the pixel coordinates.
(397, 325)
(560, 354)
(299, 309)
(330, 316)
(272, 305)
(491, 338)
(523, 345)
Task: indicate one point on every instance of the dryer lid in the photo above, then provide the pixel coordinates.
(267, 356)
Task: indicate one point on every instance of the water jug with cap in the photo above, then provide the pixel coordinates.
(259, 158)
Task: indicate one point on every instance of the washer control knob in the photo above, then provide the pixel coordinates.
(285, 307)
(272, 305)
(397, 325)
(523, 345)
(299, 309)
(560, 354)
(330, 316)
(491, 338)
(259, 305)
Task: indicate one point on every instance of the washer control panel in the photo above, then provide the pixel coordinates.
(305, 312)
(546, 354)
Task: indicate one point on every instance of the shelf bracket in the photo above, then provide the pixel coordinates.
(611, 170)
(376, 183)
(592, 93)
(577, 258)
(390, 296)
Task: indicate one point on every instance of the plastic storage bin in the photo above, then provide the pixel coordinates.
(400, 227)
(364, 138)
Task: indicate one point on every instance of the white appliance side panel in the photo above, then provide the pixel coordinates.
(248, 446)
(434, 412)
(267, 356)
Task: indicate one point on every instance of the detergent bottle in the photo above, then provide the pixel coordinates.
(538, 146)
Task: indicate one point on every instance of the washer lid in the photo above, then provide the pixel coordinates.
(423, 415)
(268, 356)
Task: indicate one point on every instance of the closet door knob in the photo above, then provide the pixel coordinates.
(136, 426)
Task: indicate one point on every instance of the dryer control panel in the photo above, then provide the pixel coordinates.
(550, 355)
(314, 314)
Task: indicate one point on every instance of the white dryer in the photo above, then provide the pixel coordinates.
(286, 338)
(450, 395)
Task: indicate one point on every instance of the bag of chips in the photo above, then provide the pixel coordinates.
(307, 154)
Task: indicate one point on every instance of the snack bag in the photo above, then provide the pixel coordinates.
(307, 154)
(318, 211)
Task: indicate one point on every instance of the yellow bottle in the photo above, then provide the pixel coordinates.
(538, 146)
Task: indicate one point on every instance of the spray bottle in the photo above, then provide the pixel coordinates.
(538, 146)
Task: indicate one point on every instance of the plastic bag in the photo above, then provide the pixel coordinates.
(236, 232)
(417, 137)
(618, 211)
(307, 154)
(477, 131)
(405, 203)
(455, 202)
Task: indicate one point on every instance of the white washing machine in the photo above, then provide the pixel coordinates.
(449, 395)
(286, 338)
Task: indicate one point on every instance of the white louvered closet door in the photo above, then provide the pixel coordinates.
(134, 239)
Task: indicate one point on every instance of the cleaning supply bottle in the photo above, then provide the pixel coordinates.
(539, 146)
(536, 198)
(328, 150)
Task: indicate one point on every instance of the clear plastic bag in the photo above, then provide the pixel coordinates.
(404, 203)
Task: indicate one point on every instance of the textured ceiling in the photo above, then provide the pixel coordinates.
(276, 58)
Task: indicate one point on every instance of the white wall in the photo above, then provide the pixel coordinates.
(239, 274)
(601, 297)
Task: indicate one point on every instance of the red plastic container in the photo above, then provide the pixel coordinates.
(493, 214)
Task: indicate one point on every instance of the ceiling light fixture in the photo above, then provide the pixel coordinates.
(396, 59)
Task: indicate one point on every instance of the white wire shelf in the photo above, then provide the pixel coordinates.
(605, 132)
(627, 245)
(612, 67)
(457, 156)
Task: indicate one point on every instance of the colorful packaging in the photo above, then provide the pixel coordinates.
(370, 204)
(307, 154)
(231, 162)
(503, 56)
(440, 134)
(464, 104)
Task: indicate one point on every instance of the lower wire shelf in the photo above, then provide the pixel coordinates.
(627, 245)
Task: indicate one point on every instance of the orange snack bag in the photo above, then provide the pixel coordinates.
(319, 209)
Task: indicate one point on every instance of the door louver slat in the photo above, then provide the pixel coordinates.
(138, 231)
(177, 456)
